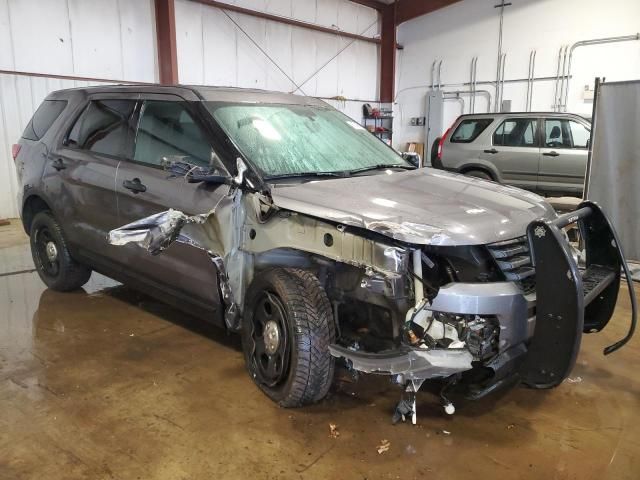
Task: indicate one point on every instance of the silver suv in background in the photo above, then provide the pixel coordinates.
(541, 152)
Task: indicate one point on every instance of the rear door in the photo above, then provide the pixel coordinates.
(169, 129)
(563, 162)
(515, 151)
(81, 172)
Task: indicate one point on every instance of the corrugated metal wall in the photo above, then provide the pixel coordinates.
(115, 39)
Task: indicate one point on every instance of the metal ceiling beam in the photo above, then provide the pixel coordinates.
(285, 20)
(370, 3)
(166, 35)
(410, 9)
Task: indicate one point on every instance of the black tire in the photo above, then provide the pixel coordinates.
(295, 302)
(478, 174)
(57, 269)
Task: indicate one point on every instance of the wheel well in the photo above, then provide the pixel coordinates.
(480, 169)
(32, 206)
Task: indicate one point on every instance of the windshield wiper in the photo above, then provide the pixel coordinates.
(309, 174)
(380, 167)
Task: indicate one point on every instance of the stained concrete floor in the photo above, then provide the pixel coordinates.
(106, 383)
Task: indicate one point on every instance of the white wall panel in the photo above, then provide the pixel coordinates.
(213, 51)
(190, 39)
(89, 38)
(220, 58)
(41, 41)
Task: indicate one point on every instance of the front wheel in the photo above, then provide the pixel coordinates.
(287, 329)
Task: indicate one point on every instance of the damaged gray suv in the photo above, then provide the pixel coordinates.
(277, 217)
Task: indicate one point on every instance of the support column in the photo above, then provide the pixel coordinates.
(166, 42)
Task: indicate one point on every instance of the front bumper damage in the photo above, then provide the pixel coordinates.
(540, 333)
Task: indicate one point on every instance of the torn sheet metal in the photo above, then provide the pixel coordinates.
(424, 206)
(157, 232)
(414, 364)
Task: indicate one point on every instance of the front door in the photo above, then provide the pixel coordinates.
(168, 129)
(563, 163)
(515, 152)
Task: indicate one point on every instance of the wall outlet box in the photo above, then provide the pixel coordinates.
(417, 121)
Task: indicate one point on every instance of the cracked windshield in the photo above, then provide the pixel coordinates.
(294, 140)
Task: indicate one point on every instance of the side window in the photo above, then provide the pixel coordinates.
(166, 131)
(579, 134)
(557, 133)
(47, 113)
(103, 127)
(469, 130)
(516, 132)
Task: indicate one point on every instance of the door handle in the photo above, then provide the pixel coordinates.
(134, 185)
(551, 154)
(493, 151)
(58, 164)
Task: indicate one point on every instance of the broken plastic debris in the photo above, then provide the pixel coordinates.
(446, 432)
(333, 430)
(574, 380)
(384, 446)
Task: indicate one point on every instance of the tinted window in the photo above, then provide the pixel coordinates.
(44, 117)
(103, 127)
(468, 130)
(166, 131)
(516, 132)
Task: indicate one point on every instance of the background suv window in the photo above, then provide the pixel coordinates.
(103, 127)
(44, 117)
(579, 135)
(167, 131)
(468, 130)
(516, 132)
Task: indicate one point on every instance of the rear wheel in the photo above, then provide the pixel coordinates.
(478, 174)
(287, 329)
(51, 255)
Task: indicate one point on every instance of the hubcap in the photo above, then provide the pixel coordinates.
(271, 351)
(46, 255)
(271, 337)
(52, 251)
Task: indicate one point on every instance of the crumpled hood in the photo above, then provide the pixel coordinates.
(421, 207)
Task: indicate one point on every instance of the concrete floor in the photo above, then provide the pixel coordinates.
(106, 383)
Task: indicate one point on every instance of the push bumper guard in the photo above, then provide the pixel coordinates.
(570, 301)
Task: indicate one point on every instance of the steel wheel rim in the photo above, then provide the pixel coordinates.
(270, 364)
(49, 265)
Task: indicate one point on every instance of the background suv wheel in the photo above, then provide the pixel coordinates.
(287, 328)
(57, 269)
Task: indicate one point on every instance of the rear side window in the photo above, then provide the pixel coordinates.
(516, 132)
(44, 117)
(103, 127)
(468, 130)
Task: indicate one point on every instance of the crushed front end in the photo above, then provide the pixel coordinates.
(484, 317)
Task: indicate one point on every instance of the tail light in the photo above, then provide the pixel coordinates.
(441, 143)
(15, 150)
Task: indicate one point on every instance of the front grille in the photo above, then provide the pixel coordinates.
(514, 260)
